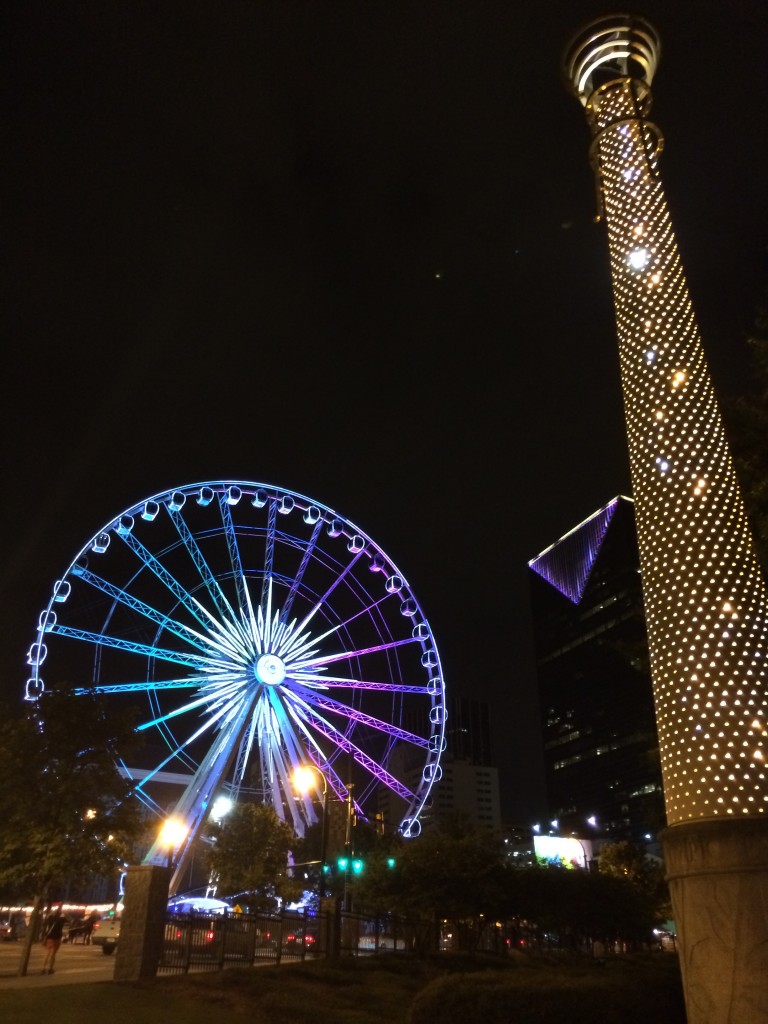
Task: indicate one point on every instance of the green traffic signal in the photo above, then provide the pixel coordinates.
(343, 863)
(357, 866)
(390, 862)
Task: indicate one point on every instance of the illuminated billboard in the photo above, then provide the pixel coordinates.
(563, 851)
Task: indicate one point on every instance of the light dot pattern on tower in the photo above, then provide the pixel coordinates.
(704, 594)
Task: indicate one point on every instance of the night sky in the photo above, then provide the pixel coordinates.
(348, 249)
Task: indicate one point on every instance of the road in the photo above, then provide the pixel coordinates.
(74, 963)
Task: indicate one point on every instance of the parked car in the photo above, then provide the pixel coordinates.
(8, 930)
(105, 933)
(200, 934)
(293, 942)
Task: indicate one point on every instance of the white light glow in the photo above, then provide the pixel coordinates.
(639, 258)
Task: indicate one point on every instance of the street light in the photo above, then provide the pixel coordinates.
(172, 834)
(222, 805)
(303, 782)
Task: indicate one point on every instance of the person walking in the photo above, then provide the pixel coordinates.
(52, 936)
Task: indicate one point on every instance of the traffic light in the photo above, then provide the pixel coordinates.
(353, 864)
(391, 862)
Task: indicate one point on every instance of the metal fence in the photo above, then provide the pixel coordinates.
(194, 942)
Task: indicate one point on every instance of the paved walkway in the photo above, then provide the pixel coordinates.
(74, 964)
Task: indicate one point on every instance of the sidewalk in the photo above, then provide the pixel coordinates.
(74, 965)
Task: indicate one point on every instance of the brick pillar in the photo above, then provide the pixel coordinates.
(142, 929)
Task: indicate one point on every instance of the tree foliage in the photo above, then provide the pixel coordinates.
(452, 872)
(458, 874)
(66, 813)
(644, 874)
(249, 856)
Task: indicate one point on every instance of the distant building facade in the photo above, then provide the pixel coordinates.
(601, 747)
(469, 781)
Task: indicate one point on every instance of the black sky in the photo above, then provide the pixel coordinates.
(348, 249)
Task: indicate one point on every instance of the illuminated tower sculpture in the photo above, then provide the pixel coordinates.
(705, 599)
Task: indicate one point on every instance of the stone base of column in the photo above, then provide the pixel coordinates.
(718, 879)
(142, 929)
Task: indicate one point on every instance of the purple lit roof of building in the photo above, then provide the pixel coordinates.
(567, 563)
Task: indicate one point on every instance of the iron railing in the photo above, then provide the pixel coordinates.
(194, 942)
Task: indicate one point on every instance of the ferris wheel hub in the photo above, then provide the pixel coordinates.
(270, 670)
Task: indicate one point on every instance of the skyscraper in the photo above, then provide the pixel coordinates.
(601, 747)
(705, 599)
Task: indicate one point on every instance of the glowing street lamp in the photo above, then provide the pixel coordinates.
(222, 805)
(303, 782)
(172, 835)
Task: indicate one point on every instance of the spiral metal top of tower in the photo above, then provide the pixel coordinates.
(609, 48)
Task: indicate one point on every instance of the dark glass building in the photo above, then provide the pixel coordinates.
(601, 747)
(468, 730)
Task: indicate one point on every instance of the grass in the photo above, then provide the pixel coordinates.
(380, 990)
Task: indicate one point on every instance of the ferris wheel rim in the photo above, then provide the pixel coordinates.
(233, 491)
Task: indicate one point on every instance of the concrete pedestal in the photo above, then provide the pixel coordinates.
(142, 928)
(718, 878)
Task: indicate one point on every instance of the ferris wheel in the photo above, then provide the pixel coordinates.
(265, 632)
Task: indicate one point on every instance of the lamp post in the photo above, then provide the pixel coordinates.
(172, 835)
(303, 782)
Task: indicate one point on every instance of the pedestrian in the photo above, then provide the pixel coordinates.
(91, 920)
(53, 933)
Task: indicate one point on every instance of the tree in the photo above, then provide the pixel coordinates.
(249, 856)
(454, 871)
(66, 813)
(645, 874)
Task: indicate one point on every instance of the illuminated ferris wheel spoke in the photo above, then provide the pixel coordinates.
(323, 682)
(207, 700)
(330, 659)
(193, 606)
(295, 649)
(317, 700)
(326, 597)
(318, 758)
(234, 554)
(243, 755)
(208, 680)
(203, 643)
(301, 572)
(268, 747)
(192, 806)
(145, 650)
(269, 552)
(290, 741)
(330, 732)
(176, 754)
(218, 712)
(216, 594)
(280, 779)
(264, 632)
